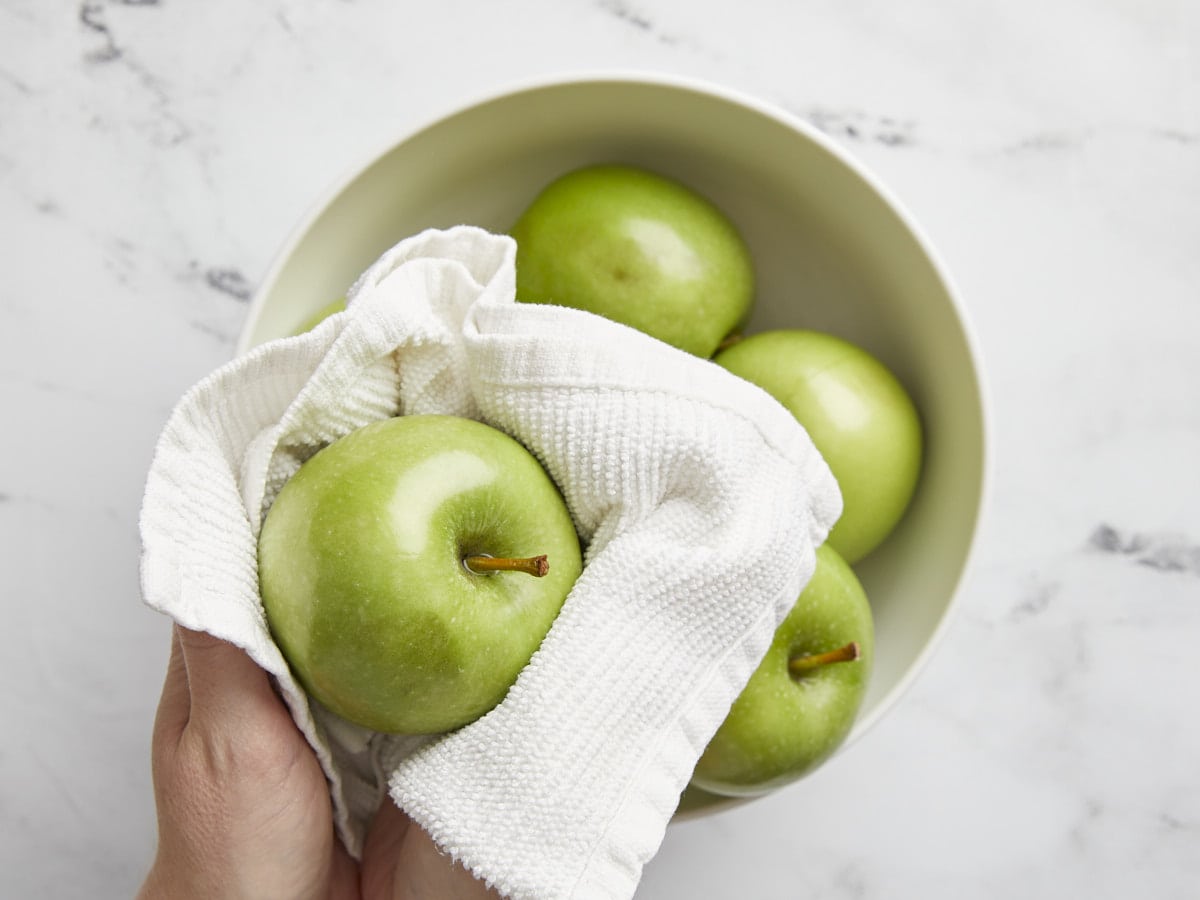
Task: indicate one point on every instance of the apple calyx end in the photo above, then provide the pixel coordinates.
(799, 665)
(537, 566)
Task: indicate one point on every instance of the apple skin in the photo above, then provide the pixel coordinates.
(637, 248)
(362, 579)
(320, 316)
(858, 415)
(781, 726)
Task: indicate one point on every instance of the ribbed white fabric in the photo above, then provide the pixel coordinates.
(699, 499)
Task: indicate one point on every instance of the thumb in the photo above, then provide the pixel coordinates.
(174, 704)
(223, 680)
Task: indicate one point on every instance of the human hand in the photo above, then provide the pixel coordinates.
(243, 805)
(401, 862)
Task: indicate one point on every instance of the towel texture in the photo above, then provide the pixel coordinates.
(699, 499)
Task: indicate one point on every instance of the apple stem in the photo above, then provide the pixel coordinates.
(798, 665)
(730, 339)
(484, 565)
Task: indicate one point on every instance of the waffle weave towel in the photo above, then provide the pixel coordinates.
(700, 502)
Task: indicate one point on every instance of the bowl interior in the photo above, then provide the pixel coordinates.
(832, 252)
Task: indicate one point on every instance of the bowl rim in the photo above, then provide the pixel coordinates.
(767, 109)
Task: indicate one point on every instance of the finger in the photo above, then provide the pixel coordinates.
(381, 852)
(401, 860)
(223, 680)
(345, 877)
(428, 872)
(174, 705)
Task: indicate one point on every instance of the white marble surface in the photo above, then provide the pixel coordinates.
(155, 153)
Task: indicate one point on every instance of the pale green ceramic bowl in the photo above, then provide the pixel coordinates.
(833, 251)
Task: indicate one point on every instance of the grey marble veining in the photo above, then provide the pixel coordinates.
(154, 155)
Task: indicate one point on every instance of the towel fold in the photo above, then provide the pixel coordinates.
(700, 502)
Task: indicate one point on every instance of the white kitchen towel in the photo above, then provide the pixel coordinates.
(699, 499)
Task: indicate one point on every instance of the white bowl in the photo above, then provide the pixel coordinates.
(833, 251)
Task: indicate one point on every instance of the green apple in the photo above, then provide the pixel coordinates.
(320, 316)
(637, 248)
(858, 415)
(409, 571)
(801, 701)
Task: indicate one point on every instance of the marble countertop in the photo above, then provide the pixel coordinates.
(155, 154)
